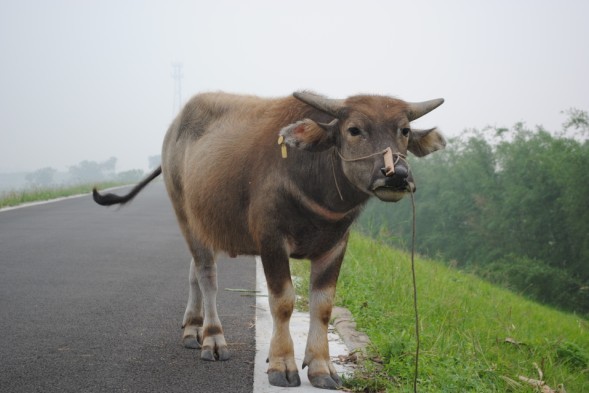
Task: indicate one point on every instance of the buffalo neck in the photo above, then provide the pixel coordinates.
(320, 177)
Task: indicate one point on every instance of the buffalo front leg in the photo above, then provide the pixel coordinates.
(204, 332)
(282, 369)
(324, 274)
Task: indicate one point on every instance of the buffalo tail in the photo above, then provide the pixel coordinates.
(113, 199)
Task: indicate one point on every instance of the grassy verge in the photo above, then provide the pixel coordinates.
(14, 198)
(474, 337)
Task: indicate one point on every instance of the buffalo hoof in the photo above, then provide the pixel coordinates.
(191, 342)
(326, 381)
(211, 355)
(288, 379)
(192, 337)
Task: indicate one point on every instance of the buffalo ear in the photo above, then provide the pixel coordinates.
(309, 135)
(424, 142)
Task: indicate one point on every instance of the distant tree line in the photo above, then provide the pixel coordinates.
(511, 205)
(87, 172)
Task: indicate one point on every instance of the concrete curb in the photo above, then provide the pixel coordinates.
(356, 342)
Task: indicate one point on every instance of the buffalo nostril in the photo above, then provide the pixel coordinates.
(400, 171)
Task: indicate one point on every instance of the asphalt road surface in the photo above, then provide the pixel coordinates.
(92, 299)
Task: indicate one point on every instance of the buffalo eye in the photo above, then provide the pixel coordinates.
(405, 131)
(354, 131)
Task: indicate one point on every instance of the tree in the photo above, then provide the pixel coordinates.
(41, 177)
(130, 176)
(577, 120)
(92, 171)
(503, 198)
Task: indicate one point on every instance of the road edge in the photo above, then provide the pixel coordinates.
(46, 201)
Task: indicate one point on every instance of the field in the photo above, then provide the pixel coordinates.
(475, 337)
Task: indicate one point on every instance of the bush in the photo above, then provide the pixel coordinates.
(536, 280)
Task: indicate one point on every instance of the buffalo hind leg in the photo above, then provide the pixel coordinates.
(324, 274)
(206, 331)
(282, 368)
(193, 317)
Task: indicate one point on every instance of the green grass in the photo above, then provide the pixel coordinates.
(464, 324)
(15, 198)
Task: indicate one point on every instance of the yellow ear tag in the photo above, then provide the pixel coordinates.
(282, 146)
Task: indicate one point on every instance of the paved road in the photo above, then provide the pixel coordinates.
(92, 299)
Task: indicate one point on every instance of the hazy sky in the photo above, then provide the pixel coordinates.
(87, 80)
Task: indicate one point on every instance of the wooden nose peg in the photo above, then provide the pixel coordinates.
(389, 165)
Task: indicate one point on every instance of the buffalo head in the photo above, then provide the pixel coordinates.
(370, 136)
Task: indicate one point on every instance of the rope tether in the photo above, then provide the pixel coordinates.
(390, 169)
(416, 373)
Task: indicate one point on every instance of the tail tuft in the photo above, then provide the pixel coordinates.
(108, 199)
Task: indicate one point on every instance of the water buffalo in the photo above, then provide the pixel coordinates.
(281, 178)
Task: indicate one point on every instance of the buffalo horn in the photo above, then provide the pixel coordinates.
(330, 106)
(418, 109)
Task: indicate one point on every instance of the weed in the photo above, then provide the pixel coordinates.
(572, 355)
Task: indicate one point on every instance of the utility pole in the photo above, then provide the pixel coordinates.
(177, 75)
